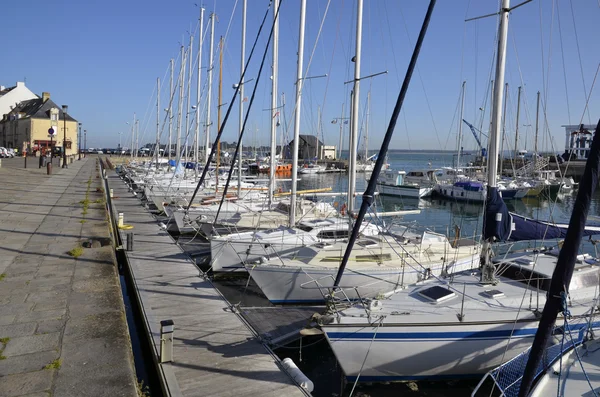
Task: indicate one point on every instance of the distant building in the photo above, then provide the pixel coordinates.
(578, 140)
(309, 148)
(27, 125)
(11, 96)
(328, 152)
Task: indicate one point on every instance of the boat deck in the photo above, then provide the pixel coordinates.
(215, 352)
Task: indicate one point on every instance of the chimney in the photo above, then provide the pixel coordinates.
(20, 84)
(45, 96)
(2, 88)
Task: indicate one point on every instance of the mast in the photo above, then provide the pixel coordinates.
(170, 110)
(180, 105)
(133, 135)
(517, 127)
(297, 113)
(241, 122)
(198, 89)
(341, 133)
(209, 91)
(157, 144)
(537, 123)
(487, 273)
(354, 112)
(460, 123)
(219, 110)
(189, 90)
(503, 129)
(275, 71)
(367, 126)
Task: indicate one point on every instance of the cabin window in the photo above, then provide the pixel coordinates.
(374, 258)
(493, 293)
(329, 234)
(437, 294)
(305, 228)
(368, 243)
(462, 194)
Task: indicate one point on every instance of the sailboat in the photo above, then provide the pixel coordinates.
(465, 323)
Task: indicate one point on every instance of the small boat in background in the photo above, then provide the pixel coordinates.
(397, 183)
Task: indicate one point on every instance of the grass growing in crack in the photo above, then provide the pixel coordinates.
(2, 276)
(142, 390)
(4, 340)
(54, 364)
(82, 221)
(76, 252)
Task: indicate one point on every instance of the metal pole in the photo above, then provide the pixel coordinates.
(274, 110)
(537, 122)
(170, 111)
(180, 106)
(65, 108)
(460, 124)
(132, 135)
(79, 143)
(503, 129)
(189, 90)
(219, 99)
(198, 89)
(241, 121)
(209, 92)
(355, 105)
(297, 113)
(341, 133)
(157, 145)
(84, 140)
(517, 127)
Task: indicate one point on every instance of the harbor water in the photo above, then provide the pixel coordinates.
(312, 354)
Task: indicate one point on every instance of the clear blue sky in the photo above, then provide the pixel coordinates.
(103, 58)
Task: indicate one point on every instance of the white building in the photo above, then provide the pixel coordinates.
(578, 139)
(11, 96)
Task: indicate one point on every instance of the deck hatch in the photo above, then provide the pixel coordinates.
(437, 294)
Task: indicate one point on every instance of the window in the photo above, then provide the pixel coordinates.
(333, 234)
(54, 117)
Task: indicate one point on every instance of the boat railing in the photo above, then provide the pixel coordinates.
(506, 378)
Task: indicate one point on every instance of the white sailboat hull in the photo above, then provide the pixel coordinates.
(310, 284)
(434, 351)
(404, 190)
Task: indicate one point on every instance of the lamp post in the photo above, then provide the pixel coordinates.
(84, 140)
(79, 143)
(65, 108)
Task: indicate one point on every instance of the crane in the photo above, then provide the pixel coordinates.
(474, 131)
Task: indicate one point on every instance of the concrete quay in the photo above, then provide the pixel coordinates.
(63, 330)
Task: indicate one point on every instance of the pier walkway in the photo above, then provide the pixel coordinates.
(215, 353)
(63, 330)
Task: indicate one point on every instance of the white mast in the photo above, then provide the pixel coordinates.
(157, 145)
(209, 92)
(189, 90)
(198, 89)
(133, 135)
(274, 78)
(460, 123)
(367, 126)
(354, 112)
(297, 113)
(498, 95)
(170, 111)
(487, 273)
(517, 127)
(180, 106)
(241, 123)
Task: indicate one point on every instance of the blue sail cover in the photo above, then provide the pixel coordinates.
(506, 226)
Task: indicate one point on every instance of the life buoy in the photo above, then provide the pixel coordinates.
(343, 209)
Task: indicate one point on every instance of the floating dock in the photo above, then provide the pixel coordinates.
(215, 351)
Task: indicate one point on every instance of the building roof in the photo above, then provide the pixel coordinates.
(310, 140)
(39, 109)
(6, 90)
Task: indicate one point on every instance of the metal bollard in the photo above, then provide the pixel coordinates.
(49, 168)
(166, 341)
(129, 241)
(120, 222)
(111, 193)
(25, 157)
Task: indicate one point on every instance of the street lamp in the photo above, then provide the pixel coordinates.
(79, 143)
(65, 108)
(84, 140)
